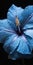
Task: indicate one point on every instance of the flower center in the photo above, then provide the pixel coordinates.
(19, 30)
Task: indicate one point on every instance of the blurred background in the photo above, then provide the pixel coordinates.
(4, 6)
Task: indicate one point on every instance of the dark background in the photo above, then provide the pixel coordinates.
(4, 6)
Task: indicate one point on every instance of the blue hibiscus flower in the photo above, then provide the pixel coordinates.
(16, 32)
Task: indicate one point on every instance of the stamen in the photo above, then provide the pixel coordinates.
(17, 21)
(18, 24)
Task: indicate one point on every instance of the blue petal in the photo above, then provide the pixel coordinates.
(12, 25)
(4, 34)
(29, 36)
(11, 43)
(13, 12)
(23, 47)
(4, 23)
(14, 47)
(5, 30)
(25, 15)
(29, 24)
(29, 33)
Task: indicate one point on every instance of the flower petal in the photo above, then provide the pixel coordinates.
(29, 33)
(4, 34)
(29, 36)
(23, 47)
(26, 15)
(14, 47)
(29, 25)
(10, 43)
(12, 13)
